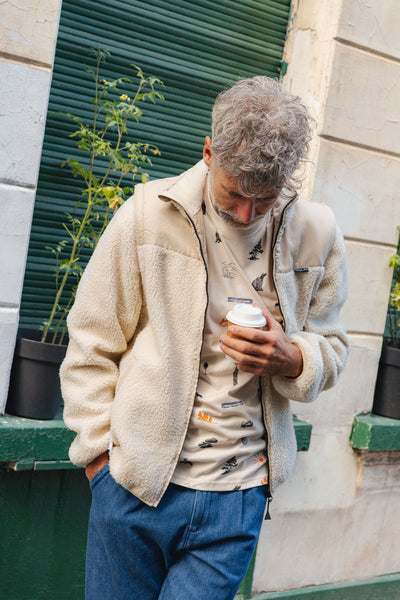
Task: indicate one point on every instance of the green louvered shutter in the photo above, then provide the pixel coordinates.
(195, 48)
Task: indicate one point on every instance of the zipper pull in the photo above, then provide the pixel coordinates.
(269, 500)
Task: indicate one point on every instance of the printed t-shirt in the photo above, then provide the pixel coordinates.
(225, 446)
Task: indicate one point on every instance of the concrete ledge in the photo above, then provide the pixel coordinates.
(27, 441)
(375, 433)
(386, 587)
(303, 434)
(37, 445)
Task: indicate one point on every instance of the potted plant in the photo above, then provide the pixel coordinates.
(109, 159)
(387, 389)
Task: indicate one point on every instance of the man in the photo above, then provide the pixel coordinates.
(183, 429)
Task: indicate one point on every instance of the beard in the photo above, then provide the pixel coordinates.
(232, 218)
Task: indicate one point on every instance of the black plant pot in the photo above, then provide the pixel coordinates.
(34, 390)
(387, 389)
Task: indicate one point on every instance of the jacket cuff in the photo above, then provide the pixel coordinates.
(305, 387)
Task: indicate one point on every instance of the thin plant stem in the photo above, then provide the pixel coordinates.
(86, 234)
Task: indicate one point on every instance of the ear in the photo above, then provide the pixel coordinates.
(207, 152)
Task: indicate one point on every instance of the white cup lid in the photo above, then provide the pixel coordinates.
(246, 315)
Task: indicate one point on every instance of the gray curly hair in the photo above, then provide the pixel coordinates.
(260, 135)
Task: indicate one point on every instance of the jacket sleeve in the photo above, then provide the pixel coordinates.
(323, 341)
(100, 325)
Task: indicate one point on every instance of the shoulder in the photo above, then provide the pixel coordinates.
(314, 215)
(315, 220)
(155, 187)
(144, 202)
(311, 230)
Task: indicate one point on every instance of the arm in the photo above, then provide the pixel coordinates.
(101, 323)
(323, 343)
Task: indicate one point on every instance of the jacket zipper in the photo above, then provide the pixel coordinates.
(268, 494)
(182, 210)
(272, 256)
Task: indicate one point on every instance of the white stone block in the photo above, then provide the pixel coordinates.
(363, 189)
(373, 523)
(308, 515)
(363, 100)
(369, 285)
(329, 545)
(24, 97)
(28, 29)
(372, 23)
(16, 208)
(297, 550)
(325, 474)
(8, 332)
(335, 409)
(378, 471)
(12, 266)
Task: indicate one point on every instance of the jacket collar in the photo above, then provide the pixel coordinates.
(187, 189)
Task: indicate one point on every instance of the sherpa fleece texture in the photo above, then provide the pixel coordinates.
(136, 330)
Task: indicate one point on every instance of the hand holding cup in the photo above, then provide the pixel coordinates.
(258, 344)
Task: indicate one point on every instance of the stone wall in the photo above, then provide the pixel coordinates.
(337, 508)
(28, 34)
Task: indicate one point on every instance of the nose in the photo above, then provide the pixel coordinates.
(246, 210)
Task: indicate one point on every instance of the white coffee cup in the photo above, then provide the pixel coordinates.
(246, 315)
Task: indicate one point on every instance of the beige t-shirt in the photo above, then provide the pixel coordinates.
(225, 446)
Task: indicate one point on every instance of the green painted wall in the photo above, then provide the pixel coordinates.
(43, 527)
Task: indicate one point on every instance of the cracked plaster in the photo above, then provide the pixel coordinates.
(363, 102)
(28, 28)
(358, 185)
(23, 102)
(373, 24)
(16, 208)
(309, 51)
(369, 285)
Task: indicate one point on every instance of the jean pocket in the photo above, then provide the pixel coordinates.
(105, 469)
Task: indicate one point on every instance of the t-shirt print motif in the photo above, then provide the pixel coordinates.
(256, 251)
(257, 283)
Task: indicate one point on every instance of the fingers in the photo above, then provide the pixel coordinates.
(242, 346)
(258, 336)
(253, 353)
(241, 353)
(245, 361)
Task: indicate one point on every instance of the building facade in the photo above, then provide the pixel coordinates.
(336, 519)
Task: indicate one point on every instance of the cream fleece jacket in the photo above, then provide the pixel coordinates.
(130, 373)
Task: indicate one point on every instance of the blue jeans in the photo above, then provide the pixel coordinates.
(194, 545)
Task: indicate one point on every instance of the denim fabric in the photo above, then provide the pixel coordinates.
(194, 545)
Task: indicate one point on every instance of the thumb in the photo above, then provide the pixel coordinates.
(268, 316)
